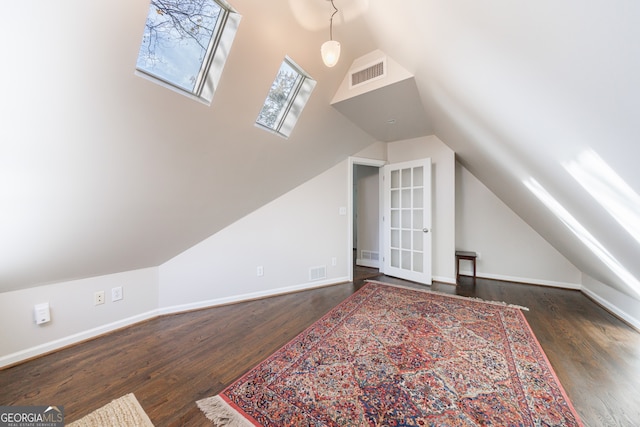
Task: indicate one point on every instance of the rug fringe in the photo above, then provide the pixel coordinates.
(429, 291)
(221, 413)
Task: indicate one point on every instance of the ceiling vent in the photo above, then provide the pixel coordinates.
(376, 89)
(371, 72)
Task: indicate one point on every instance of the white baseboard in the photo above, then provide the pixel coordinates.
(446, 280)
(622, 315)
(635, 323)
(60, 343)
(48, 347)
(526, 280)
(250, 296)
(368, 263)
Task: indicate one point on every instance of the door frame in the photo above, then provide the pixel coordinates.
(352, 161)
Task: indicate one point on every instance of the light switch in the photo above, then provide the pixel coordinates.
(42, 313)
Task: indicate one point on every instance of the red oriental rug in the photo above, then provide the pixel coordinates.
(392, 356)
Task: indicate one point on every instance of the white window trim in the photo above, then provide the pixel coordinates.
(298, 99)
(220, 45)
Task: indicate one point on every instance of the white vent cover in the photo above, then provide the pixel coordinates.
(371, 72)
(370, 255)
(317, 273)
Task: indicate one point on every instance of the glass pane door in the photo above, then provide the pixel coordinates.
(408, 242)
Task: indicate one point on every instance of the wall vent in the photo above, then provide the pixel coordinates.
(317, 273)
(370, 255)
(371, 72)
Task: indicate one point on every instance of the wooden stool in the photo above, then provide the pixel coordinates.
(465, 255)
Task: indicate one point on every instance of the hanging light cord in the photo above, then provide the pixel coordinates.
(335, 10)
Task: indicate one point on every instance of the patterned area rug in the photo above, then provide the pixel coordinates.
(125, 411)
(392, 356)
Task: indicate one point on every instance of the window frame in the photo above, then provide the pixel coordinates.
(296, 101)
(214, 60)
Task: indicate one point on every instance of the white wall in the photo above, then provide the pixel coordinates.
(302, 229)
(299, 230)
(509, 249)
(443, 197)
(74, 317)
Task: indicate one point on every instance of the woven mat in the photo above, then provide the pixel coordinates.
(125, 411)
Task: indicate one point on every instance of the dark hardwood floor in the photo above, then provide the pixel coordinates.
(172, 361)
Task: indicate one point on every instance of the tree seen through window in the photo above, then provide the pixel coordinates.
(279, 96)
(177, 39)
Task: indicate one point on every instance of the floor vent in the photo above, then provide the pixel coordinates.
(370, 255)
(318, 273)
(369, 73)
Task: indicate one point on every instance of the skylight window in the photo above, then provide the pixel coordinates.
(185, 44)
(287, 97)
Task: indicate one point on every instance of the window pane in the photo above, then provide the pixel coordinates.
(286, 99)
(406, 260)
(395, 219)
(418, 180)
(395, 258)
(406, 178)
(395, 239)
(417, 219)
(177, 40)
(395, 179)
(406, 218)
(406, 240)
(395, 199)
(406, 199)
(417, 241)
(417, 262)
(279, 96)
(418, 198)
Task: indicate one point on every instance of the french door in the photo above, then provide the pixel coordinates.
(407, 220)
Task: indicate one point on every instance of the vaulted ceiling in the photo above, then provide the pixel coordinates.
(102, 171)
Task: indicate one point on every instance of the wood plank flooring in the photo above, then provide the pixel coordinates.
(172, 361)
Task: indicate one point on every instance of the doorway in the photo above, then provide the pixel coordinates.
(401, 246)
(365, 204)
(366, 216)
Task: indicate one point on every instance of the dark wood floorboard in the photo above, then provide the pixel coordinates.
(172, 361)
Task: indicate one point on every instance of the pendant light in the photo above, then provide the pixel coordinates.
(330, 49)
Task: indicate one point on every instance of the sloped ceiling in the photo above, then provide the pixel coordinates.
(519, 90)
(102, 171)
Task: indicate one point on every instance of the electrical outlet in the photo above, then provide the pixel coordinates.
(42, 313)
(260, 271)
(98, 298)
(116, 293)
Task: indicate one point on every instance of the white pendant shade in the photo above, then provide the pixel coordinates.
(330, 51)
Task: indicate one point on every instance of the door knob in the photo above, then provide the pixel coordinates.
(425, 230)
